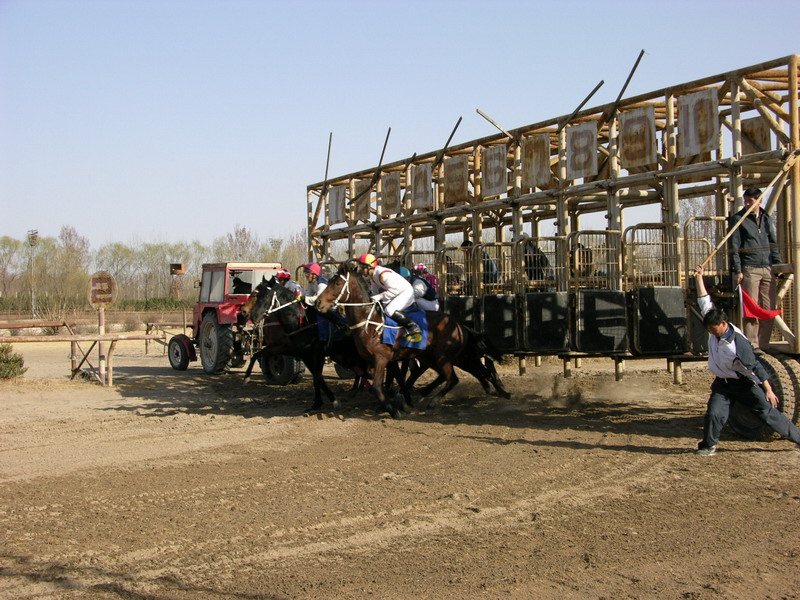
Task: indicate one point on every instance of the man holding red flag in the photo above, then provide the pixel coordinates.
(754, 251)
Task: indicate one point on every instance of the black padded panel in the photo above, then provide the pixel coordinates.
(500, 320)
(658, 320)
(461, 308)
(600, 321)
(547, 322)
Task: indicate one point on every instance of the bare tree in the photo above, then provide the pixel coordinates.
(239, 245)
(12, 259)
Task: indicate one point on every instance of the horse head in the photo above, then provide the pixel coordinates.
(343, 288)
(258, 302)
(271, 300)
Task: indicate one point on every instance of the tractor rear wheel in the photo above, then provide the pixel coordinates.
(216, 344)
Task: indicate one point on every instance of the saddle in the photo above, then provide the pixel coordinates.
(393, 330)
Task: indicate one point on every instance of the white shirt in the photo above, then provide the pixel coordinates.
(721, 351)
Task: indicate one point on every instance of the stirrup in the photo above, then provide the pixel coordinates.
(413, 336)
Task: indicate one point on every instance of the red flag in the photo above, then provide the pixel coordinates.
(752, 310)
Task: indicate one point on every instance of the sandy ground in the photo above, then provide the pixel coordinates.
(177, 485)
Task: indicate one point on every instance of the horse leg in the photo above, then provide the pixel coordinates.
(494, 378)
(485, 374)
(451, 378)
(398, 373)
(377, 385)
(253, 360)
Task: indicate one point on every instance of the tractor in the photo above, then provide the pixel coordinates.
(222, 336)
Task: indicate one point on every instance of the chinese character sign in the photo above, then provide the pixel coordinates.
(698, 124)
(102, 290)
(637, 137)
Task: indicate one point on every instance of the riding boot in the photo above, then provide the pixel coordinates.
(413, 332)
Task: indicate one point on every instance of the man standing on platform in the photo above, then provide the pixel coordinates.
(754, 253)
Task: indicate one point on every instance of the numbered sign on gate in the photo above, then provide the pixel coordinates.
(582, 150)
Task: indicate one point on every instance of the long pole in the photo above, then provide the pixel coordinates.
(775, 183)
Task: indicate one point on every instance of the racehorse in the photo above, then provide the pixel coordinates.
(301, 336)
(449, 343)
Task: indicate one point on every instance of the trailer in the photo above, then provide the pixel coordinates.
(593, 220)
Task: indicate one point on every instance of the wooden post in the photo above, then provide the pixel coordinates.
(101, 353)
(794, 202)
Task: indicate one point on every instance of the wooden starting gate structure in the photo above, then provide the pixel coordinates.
(550, 205)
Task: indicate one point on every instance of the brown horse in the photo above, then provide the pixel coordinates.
(449, 343)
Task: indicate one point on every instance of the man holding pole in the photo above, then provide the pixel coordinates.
(754, 252)
(740, 377)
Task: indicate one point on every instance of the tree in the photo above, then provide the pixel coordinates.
(12, 264)
(240, 245)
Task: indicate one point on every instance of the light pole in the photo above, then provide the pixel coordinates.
(33, 239)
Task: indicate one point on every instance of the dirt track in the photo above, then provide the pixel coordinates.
(182, 486)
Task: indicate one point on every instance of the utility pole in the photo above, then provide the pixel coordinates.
(33, 239)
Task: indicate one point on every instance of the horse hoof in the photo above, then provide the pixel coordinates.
(246, 380)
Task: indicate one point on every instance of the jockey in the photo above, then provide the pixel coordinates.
(424, 294)
(423, 272)
(397, 294)
(285, 279)
(316, 282)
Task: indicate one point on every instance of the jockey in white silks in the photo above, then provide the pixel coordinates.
(390, 289)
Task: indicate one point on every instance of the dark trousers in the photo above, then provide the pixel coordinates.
(725, 392)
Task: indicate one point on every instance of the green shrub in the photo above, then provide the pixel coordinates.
(11, 364)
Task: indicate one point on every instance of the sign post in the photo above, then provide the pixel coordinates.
(102, 293)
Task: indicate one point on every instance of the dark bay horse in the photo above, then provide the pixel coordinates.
(449, 343)
(300, 336)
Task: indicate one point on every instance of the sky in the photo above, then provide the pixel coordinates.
(176, 120)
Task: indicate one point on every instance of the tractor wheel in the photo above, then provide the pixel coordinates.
(216, 344)
(792, 411)
(178, 354)
(280, 369)
(749, 426)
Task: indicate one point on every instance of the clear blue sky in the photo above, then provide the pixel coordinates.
(174, 120)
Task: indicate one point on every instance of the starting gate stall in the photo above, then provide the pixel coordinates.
(605, 282)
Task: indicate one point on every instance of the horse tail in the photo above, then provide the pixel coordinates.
(483, 345)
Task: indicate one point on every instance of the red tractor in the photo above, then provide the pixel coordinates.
(222, 335)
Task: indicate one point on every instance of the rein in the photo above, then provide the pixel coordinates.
(338, 301)
(272, 309)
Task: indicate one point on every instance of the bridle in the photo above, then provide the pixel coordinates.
(376, 307)
(275, 306)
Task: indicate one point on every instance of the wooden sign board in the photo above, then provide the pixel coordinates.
(637, 137)
(390, 194)
(102, 290)
(335, 205)
(361, 205)
(536, 161)
(582, 150)
(456, 180)
(755, 136)
(421, 187)
(698, 122)
(494, 179)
